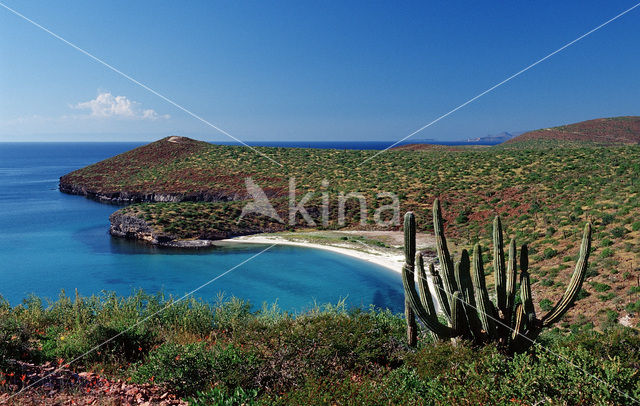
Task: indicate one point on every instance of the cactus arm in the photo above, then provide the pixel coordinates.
(446, 264)
(463, 280)
(519, 324)
(458, 317)
(511, 283)
(576, 281)
(410, 249)
(500, 276)
(463, 277)
(484, 306)
(409, 239)
(499, 266)
(527, 300)
(430, 321)
(423, 287)
(408, 281)
(443, 303)
(521, 339)
(412, 326)
(526, 325)
(425, 294)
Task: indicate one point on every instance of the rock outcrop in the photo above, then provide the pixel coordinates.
(130, 226)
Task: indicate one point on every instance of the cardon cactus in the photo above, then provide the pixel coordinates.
(462, 296)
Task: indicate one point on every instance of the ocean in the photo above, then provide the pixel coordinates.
(50, 242)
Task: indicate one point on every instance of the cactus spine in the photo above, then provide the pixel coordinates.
(461, 293)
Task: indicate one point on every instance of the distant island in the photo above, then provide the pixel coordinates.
(495, 139)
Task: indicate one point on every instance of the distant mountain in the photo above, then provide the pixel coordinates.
(603, 131)
(495, 139)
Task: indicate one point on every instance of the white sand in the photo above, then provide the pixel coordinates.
(388, 260)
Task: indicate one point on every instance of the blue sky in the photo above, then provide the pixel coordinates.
(308, 71)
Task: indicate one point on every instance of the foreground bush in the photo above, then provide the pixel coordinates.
(226, 354)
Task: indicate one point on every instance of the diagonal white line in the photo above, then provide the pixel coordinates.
(503, 82)
(95, 58)
(143, 320)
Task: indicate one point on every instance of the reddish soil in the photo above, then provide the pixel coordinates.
(606, 131)
(62, 386)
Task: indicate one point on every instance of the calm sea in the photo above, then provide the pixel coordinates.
(51, 241)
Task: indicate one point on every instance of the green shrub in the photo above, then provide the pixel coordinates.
(618, 232)
(633, 307)
(607, 219)
(116, 343)
(600, 287)
(326, 356)
(13, 343)
(549, 253)
(606, 253)
(223, 397)
(546, 305)
(185, 368)
(462, 218)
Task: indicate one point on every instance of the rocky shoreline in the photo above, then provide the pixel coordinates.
(124, 225)
(134, 228)
(124, 197)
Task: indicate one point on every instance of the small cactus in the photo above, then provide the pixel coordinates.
(463, 298)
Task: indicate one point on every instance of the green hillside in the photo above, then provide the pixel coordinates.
(543, 195)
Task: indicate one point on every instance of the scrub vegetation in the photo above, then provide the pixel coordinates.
(223, 353)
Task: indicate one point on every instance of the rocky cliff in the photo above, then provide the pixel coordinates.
(126, 197)
(157, 172)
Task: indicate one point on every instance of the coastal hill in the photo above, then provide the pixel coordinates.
(120, 179)
(600, 131)
(191, 190)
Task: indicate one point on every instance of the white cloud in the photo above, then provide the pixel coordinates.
(107, 105)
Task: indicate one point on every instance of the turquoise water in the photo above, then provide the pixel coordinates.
(51, 241)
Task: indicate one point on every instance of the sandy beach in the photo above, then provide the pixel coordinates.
(390, 260)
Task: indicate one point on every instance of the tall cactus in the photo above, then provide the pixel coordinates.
(409, 252)
(408, 280)
(446, 264)
(463, 298)
(499, 266)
